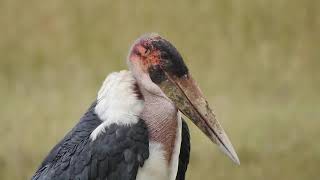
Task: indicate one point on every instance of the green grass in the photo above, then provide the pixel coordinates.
(258, 63)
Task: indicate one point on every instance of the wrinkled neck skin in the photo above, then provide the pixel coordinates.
(159, 113)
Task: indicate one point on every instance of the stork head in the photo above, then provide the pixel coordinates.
(159, 69)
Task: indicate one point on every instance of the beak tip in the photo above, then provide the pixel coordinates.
(228, 149)
(236, 160)
(231, 154)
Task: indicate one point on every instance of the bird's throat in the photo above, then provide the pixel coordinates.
(161, 115)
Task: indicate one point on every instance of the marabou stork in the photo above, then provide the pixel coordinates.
(134, 129)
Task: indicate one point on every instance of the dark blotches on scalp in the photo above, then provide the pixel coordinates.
(171, 60)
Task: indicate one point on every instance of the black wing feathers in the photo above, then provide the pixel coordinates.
(184, 152)
(114, 155)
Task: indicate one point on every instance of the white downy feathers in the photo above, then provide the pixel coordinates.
(117, 102)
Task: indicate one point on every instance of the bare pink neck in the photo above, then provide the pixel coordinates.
(160, 115)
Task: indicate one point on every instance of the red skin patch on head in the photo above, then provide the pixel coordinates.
(152, 58)
(145, 57)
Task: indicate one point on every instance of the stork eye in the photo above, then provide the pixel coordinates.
(157, 75)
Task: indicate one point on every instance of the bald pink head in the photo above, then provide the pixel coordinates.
(143, 53)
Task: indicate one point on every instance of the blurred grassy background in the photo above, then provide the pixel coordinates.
(257, 61)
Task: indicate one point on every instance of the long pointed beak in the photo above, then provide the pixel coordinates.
(187, 96)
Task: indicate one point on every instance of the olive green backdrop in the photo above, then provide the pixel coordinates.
(257, 62)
